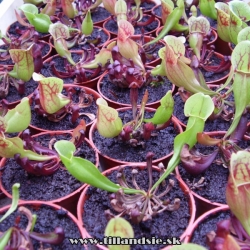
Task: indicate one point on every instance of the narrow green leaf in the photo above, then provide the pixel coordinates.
(14, 202)
(207, 8)
(87, 24)
(4, 239)
(83, 170)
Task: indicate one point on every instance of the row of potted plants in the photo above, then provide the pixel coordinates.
(167, 104)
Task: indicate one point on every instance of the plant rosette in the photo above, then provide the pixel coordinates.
(82, 105)
(120, 97)
(111, 26)
(98, 34)
(206, 223)
(151, 51)
(206, 171)
(113, 152)
(90, 206)
(48, 217)
(217, 123)
(61, 188)
(56, 66)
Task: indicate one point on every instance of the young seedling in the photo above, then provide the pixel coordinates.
(198, 107)
(26, 61)
(138, 130)
(55, 106)
(37, 20)
(19, 238)
(231, 19)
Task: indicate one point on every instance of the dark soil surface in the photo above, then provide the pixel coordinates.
(13, 95)
(8, 61)
(122, 95)
(97, 32)
(111, 25)
(65, 124)
(147, 5)
(16, 25)
(44, 48)
(206, 226)
(214, 189)
(60, 65)
(157, 11)
(218, 124)
(58, 185)
(167, 224)
(47, 220)
(161, 145)
(100, 14)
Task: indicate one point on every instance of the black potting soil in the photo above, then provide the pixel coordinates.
(47, 220)
(97, 33)
(147, 5)
(161, 145)
(166, 224)
(58, 185)
(210, 224)
(157, 11)
(60, 65)
(13, 95)
(16, 26)
(111, 25)
(99, 14)
(214, 185)
(122, 95)
(65, 124)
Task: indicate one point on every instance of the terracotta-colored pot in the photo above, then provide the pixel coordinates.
(222, 47)
(114, 34)
(91, 83)
(37, 204)
(201, 219)
(84, 196)
(149, 9)
(107, 162)
(137, 38)
(100, 29)
(68, 201)
(154, 12)
(89, 91)
(204, 201)
(117, 104)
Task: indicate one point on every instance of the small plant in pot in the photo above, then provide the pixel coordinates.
(26, 61)
(127, 72)
(136, 212)
(16, 237)
(49, 102)
(122, 10)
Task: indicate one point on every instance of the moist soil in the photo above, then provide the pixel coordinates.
(206, 226)
(161, 144)
(147, 5)
(167, 224)
(122, 95)
(47, 220)
(16, 25)
(58, 185)
(60, 65)
(218, 124)
(65, 124)
(97, 32)
(214, 185)
(14, 96)
(44, 48)
(99, 14)
(111, 25)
